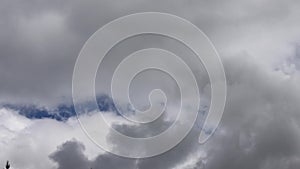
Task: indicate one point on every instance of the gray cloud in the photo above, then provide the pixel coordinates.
(167, 160)
(260, 127)
(40, 40)
(70, 155)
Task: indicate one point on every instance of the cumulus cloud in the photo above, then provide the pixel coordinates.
(260, 128)
(176, 156)
(70, 155)
(27, 143)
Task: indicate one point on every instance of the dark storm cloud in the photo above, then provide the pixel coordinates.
(274, 145)
(260, 127)
(37, 51)
(40, 40)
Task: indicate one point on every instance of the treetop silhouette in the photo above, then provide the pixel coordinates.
(7, 165)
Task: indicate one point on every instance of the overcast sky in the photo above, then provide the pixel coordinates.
(258, 42)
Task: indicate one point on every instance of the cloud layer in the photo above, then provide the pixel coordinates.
(258, 42)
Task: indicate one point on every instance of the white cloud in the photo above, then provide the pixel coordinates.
(28, 143)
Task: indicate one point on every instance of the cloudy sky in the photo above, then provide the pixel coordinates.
(258, 42)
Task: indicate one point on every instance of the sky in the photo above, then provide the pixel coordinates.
(258, 42)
